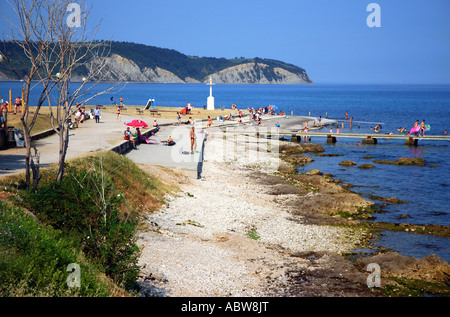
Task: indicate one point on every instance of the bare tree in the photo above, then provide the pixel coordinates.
(57, 44)
(74, 50)
(30, 32)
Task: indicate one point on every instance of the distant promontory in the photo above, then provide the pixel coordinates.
(131, 62)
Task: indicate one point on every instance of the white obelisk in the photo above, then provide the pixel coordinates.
(210, 102)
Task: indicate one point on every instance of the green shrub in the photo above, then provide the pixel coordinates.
(84, 206)
(34, 260)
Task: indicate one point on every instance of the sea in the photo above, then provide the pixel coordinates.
(426, 190)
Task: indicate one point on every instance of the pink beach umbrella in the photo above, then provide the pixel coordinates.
(136, 123)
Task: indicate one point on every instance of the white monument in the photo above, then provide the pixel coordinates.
(210, 102)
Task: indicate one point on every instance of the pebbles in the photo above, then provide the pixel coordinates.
(216, 256)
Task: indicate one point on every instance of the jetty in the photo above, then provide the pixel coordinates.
(366, 138)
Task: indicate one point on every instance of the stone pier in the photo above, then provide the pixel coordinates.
(411, 141)
(369, 140)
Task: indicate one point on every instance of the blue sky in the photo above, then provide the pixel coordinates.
(329, 38)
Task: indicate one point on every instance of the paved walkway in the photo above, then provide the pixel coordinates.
(107, 134)
(177, 156)
(89, 137)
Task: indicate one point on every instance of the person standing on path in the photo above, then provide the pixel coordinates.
(17, 104)
(97, 114)
(209, 124)
(193, 141)
(4, 112)
(118, 113)
(121, 101)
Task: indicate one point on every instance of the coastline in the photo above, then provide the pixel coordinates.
(236, 233)
(199, 245)
(248, 229)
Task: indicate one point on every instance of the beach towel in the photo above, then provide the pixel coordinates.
(143, 138)
(20, 142)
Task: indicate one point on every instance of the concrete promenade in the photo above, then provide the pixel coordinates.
(108, 135)
(89, 137)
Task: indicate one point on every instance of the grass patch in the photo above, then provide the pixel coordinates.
(91, 218)
(142, 192)
(34, 259)
(42, 122)
(253, 234)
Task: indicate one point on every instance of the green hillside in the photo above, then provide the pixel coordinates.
(150, 56)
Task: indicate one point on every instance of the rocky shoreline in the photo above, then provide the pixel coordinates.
(253, 229)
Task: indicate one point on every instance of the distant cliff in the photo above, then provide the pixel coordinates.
(259, 73)
(131, 62)
(118, 68)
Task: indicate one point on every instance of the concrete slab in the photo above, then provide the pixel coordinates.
(107, 134)
(177, 156)
(89, 137)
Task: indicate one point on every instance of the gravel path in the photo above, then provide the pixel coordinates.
(223, 236)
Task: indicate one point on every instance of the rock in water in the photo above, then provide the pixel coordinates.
(347, 163)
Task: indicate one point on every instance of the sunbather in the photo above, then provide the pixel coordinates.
(169, 141)
(128, 136)
(144, 138)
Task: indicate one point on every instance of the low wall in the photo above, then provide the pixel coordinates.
(122, 148)
(42, 134)
(126, 146)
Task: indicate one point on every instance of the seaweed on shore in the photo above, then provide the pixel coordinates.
(363, 215)
(403, 161)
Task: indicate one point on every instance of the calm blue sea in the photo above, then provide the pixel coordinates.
(426, 190)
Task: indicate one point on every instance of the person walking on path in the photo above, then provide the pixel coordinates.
(17, 104)
(422, 128)
(415, 128)
(118, 113)
(97, 114)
